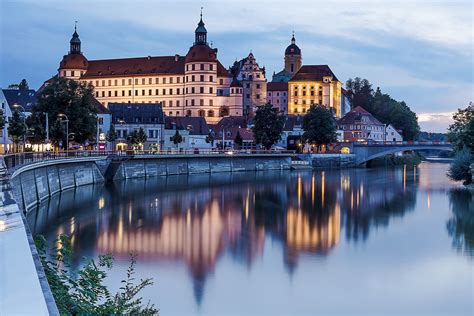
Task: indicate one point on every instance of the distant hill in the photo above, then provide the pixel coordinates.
(427, 136)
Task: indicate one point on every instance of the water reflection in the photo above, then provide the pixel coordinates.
(461, 225)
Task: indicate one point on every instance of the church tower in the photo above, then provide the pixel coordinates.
(292, 57)
(74, 64)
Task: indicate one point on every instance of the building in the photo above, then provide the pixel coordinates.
(11, 100)
(346, 104)
(195, 84)
(293, 62)
(392, 135)
(128, 118)
(104, 121)
(277, 95)
(360, 126)
(314, 84)
(193, 130)
(225, 131)
(253, 80)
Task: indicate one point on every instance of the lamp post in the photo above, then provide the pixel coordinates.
(47, 128)
(64, 118)
(24, 122)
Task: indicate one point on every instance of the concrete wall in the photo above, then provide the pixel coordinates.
(333, 161)
(39, 181)
(149, 167)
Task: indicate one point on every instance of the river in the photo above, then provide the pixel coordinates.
(335, 242)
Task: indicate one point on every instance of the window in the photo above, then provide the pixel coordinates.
(157, 80)
(143, 92)
(130, 82)
(150, 80)
(177, 103)
(202, 66)
(157, 91)
(97, 83)
(247, 85)
(143, 80)
(210, 113)
(296, 93)
(171, 113)
(150, 133)
(211, 102)
(177, 91)
(72, 73)
(201, 113)
(221, 81)
(192, 102)
(129, 93)
(164, 80)
(123, 82)
(171, 91)
(136, 92)
(171, 103)
(116, 93)
(304, 93)
(115, 82)
(201, 90)
(103, 83)
(186, 90)
(171, 79)
(192, 78)
(164, 91)
(110, 93)
(123, 93)
(188, 113)
(211, 90)
(178, 79)
(192, 90)
(211, 67)
(258, 86)
(201, 102)
(258, 96)
(248, 96)
(192, 67)
(211, 78)
(103, 93)
(164, 103)
(96, 95)
(136, 81)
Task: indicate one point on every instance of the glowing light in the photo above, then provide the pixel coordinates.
(101, 203)
(3, 226)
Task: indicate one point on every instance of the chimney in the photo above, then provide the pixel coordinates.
(149, 57)
(176, 57)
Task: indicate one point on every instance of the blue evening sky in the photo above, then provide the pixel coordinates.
(419, 51)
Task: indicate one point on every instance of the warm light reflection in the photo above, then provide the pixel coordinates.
(323, 183)
(101, 203)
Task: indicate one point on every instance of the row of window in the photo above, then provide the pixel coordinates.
(191, 90)
(73, 73)
(364, 127)
(201, 67)
(247, 85)
(303, 93)
(303, 102)
(276, 94)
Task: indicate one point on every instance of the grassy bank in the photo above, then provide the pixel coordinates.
(393, 160)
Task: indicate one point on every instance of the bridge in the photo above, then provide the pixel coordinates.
(365, 152)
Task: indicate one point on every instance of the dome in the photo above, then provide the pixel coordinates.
(74, 61)
(201, 28)
(201, 53)
(293, 49)
(75, 38)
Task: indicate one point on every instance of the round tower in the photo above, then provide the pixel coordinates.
(292, 57)
(74, 64)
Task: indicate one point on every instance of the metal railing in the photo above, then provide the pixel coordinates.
(13, 161)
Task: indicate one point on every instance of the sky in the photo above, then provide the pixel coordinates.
(418, 51)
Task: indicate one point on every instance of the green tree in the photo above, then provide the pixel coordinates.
(238, 140)
(16, 128)
(461, 132)
(460, 168)
(36, 133)
(319, 126)
(268, 125)
(177, 138)
(360, 90)
(210, 139)
(74, 99)
(138, 137)
(23, 85)
(84, 292)
(112, 135)
(2, 119)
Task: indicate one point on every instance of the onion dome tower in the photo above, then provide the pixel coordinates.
(74, 64)
(293, 59)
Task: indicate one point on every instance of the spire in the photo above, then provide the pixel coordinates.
(293, 38)
(75, 42)
(201, 32)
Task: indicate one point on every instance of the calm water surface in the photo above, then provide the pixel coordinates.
(366, 241)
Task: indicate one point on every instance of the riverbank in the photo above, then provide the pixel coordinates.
(394, 160)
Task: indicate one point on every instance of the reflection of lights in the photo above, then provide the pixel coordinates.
(299, 191)
(312, 190)
(101, 203)
(428, 200)
(414, 174)
(323, 182)
(3, 226)
(72, 225)
(247, 197)
(404, 178)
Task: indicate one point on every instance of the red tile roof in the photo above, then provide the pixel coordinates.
(313, 73)
(277, 86)
(356, 116)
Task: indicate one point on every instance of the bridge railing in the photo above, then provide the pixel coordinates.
(398, 143)
(13, 161)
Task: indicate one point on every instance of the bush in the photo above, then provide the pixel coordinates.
(86, 294)
(460, 168)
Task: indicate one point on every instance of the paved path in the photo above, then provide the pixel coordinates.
(20, 288)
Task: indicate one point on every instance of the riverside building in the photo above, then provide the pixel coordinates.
(195, 84)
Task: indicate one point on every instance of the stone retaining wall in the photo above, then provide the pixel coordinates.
(333, 161)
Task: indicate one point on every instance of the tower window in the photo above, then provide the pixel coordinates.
(292, 67)
(201, 78)
(211, 67)
(202, 66)
(201, 90)
(211, 78)
(192, 67)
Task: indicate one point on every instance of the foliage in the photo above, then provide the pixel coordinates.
(85, 294)
(460, 168)
(111, 134)
(177, 138)
(383, 107)
(210, 139)
(461, 225)
(23, 85)
(319, 126)
(74, 99)
(461, 132)
(137, 137)
(16, 127)
(238, 140)
(36, 133)
(267, 125)
(2, 119)
(410, 159)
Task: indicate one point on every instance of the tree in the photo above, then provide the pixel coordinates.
(238, 140)
(112, 135)
(268, 125)
(461, 132)
(36, 132)
(360, 91)
(460, 168)
(74, 99)
(84, 292)
(210, 139)
(23, 85)
(137, 137)
(177, 138)
(16, 128)
(319, 126)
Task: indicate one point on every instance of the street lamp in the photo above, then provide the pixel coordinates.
(18, 106)
(64, 118)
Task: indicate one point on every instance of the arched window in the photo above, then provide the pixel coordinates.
(201, 113)
(188, 112)
(224, 111)
(210, 113)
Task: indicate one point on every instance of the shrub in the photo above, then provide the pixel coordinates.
(460, 168)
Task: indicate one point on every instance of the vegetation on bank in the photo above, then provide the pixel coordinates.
(410, 159)
(461, 135)
(83, 292)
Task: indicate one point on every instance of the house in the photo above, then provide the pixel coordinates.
(392, 135)
(193, 130)
(360, 126)
(277, 95)
(226, 130)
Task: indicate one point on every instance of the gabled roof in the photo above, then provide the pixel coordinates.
(231, 133)
(232, 121)
(25, 98)
(101, 109)
(313, 73)
(195, 125)
(357, 116)
(293, 121)
(136, 113)
(277, 86)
